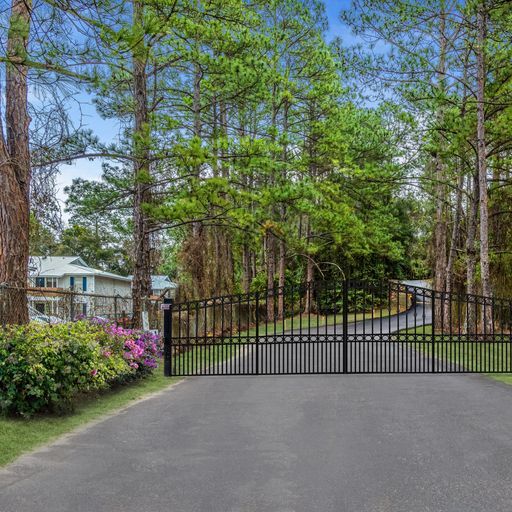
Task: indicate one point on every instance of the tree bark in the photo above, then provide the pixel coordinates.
(482, 164)
(282, 275)
(455, 235)
(141, 285)
(454, 240)
(441, 228)
(282, 244)
(15, 171)
(246, 268)
(310, 274)
(471, 251)
(271, 268)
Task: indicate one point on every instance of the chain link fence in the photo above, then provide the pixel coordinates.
(53, 306)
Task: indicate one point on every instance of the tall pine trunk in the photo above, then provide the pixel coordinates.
(282, 244)
(452, 253)
(482, 164)
(455, 235)
(441, 226)
(15, 171)
(141, 285)
(270, 253)
(471, 252)
(282, 275)
(246, 268)
(310, 273)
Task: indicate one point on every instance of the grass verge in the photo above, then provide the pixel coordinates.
(313, 321)
(478, 355)
(18, 436)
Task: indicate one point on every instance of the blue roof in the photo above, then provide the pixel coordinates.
(161, 283)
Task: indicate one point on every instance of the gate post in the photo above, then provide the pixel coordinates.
(345, 326)
(167, 308)
(257, 334)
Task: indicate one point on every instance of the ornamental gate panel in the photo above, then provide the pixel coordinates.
(346, 327)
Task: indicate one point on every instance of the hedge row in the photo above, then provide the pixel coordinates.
(44, 367)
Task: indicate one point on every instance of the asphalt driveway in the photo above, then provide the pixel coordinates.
(353, 443)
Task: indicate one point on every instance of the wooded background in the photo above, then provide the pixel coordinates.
(253, 152)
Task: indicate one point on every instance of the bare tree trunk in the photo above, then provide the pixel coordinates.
(196, 246)
(482, 164)
(271, 265)
(246, 269)
(282, 244)
(141, 285)
(282, 275)
(310, 278)
(441, 227)
(310, 275)
(270, 242)
(225, 262)
(15, 171)
(440, 231)
(471, 251)
(454, 240)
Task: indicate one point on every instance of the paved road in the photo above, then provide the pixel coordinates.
(415, 443)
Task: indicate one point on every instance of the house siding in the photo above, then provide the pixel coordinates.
(108, 286)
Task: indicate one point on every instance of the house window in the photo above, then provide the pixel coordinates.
(84, 309)
(72, 282)
(40, 307)
(47, 282)
(51, 282)
(84, 284)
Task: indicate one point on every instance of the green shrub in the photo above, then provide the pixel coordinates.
(43, 367)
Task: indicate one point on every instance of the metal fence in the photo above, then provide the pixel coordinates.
(346, 327)
(53, 305)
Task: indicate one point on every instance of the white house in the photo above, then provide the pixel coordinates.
(54, 274)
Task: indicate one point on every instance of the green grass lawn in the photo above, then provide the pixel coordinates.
(19, 435)
(314, 321)
(476, 355)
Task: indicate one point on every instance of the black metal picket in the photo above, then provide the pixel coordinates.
(346, 327)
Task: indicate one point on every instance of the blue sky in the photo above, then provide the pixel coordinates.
(107, 130)
(336, 28)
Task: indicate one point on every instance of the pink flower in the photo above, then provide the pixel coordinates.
(94, 372)
(134, 365)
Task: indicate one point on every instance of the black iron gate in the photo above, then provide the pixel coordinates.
(350, 327)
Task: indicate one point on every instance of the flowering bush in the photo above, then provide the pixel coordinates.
(43, 367)
(141, 349)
